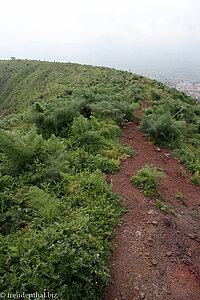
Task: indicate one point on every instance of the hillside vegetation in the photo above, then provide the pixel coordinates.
(22, 82)
(59, 136)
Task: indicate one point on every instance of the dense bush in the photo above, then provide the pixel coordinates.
(20, 148)
(155, 95)
(65, 249)
(174, 123)
(189, 154)
(56, 115)
(114, 110)
(162, 128)
(57, 212)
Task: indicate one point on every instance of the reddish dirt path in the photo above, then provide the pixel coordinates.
(157, 255)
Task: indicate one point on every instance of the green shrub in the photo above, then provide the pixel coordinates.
(162, 128)
(109, 130)
(45, 205)
(162, 205)
(65, 259)
(80, 160)
(20, 148)
(196, 178)
(189, 154)
(155, 95)
(15, 214)
(65, 247)
(54, 116)
(80, 125)
(119, 112)
(146, 179)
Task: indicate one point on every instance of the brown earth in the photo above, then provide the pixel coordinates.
(157, 254)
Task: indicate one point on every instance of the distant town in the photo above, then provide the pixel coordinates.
(187, 82)
(188, 87)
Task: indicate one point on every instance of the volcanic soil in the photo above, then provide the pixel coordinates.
(156, 254)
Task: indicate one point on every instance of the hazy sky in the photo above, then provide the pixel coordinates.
(123, 34)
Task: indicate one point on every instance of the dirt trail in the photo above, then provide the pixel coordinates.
(157, 255)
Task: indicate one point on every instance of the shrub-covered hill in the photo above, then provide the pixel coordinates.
(22, 82)
(62, 137)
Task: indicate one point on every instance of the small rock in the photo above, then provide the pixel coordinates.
(167, 222)
(142, 295)
(169, 293)
(189, 254)
(136, 288)
(155, 223)
(150, 242)
(154, 262)
(138, 234)
(150, 212)
(127, 174)
(147, 253)
(192, 236)
(139, 254)
(169, 253)
(158, 150)
(167, 155)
